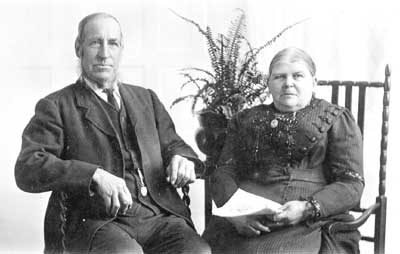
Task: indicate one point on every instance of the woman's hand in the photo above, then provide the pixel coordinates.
(249, 225)
(292, 212)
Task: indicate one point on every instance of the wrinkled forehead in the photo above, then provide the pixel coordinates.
(102, 27)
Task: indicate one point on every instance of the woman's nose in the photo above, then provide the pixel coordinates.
(289, 82)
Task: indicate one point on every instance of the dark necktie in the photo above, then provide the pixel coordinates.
(110, 97)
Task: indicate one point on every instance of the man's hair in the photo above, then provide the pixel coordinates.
(294, 55)
(81, 28)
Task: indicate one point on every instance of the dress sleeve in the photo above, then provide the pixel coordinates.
(225, 180)
(344, 160)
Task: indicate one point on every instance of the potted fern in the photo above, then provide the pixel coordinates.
(234, 83)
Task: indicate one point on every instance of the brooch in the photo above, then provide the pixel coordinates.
(274, 123)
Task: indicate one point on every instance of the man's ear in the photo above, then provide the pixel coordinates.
(78, 49)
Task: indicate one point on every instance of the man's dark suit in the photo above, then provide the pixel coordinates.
(70, 136)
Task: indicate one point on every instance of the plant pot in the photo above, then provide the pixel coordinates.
(210, 137)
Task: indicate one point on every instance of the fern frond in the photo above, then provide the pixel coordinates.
(245, 63)
(193, 81)
(268, 43)
(235, 33)
(203, 94)
(211, 45)
(221, 61)
(250, 50)
(248, 64)
(213, 52)
(235, 36)
(201, 30)
(199, 70)
(177, 100)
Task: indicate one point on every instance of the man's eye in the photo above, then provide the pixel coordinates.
(94, 43)
(278, 77)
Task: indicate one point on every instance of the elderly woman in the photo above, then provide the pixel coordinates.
(301, 152)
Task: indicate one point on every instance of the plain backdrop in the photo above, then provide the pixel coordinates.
(347, 39)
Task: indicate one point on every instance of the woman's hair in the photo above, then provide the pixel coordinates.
(293, 55)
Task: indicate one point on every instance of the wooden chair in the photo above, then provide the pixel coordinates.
(378, 209)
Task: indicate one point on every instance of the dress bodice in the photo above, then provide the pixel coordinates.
(299, 153)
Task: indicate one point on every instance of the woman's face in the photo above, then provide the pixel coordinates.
(291, 85)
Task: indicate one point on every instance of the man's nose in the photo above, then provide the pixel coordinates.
(104, 51)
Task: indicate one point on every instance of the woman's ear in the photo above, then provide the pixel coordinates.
(267, 76)
(315, 82)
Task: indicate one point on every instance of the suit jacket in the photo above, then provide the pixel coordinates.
(70, 136)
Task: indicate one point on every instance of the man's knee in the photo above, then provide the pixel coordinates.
(112, 239)
(176, 236)
(201, 247)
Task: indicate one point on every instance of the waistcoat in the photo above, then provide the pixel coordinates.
(131, 155)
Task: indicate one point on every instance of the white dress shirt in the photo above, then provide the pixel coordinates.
(102, 94)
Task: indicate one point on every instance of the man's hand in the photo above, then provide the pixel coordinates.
(180, 171)
(113, 190)
(249, 225)
(292, 212)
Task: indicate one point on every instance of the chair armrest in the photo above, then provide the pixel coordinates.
(336, 226)
(185, 197)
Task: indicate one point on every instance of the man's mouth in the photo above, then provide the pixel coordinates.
(102, 66)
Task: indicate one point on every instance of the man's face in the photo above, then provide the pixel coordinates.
(101, 50)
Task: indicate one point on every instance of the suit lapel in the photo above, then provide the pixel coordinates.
(134, 104)
(94, 112)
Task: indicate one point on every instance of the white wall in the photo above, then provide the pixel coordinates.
(348, 40)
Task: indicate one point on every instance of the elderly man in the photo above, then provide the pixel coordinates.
(109, 153)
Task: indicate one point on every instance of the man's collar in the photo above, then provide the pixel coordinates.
(92, 85)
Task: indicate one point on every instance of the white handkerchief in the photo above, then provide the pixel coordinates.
(245, 203)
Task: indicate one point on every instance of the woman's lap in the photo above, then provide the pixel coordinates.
(223, 238)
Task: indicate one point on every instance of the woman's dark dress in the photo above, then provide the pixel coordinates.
(313, 153)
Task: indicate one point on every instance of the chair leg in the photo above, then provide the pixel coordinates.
(207, 200)
(380, 226)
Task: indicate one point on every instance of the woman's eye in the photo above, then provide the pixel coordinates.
(114, 43)
(298, 75)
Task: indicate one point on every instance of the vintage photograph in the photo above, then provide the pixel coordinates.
(211, 126)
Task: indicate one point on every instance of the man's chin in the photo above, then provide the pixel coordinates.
(102, 80)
